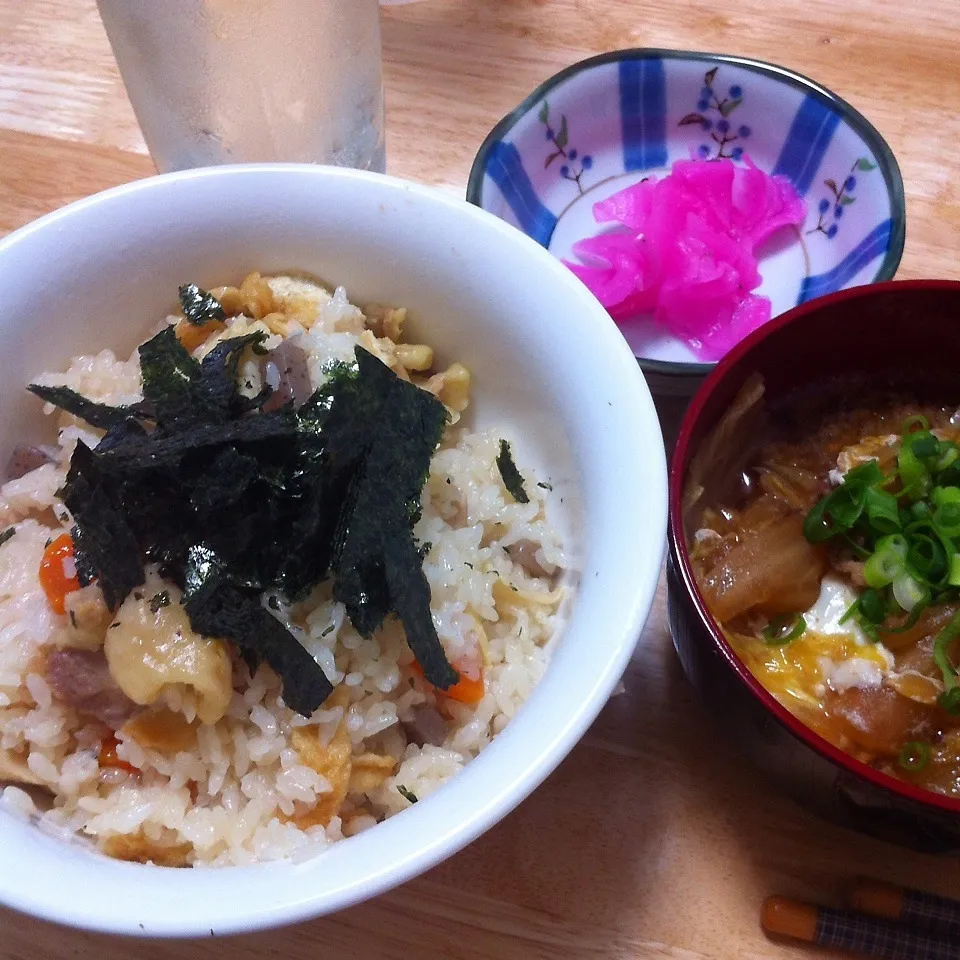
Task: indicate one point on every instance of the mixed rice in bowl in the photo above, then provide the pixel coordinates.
(126, 723)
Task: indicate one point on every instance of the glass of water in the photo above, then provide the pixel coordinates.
(234, 81)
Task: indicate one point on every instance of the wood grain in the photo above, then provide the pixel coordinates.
(653, 839)
(39, 174)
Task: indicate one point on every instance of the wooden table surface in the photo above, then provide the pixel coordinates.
(653, 839)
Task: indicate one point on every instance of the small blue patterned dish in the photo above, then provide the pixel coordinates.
(607, 122)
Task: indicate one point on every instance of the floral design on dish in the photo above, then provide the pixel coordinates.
(721, 131)
(575, 165)
(830, 209)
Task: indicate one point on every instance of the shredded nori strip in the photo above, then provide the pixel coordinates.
(410, 597)
(170, 379)
(219, 375)
(233, 502)
(105, 548)
(158, 601)
(199, 307)
(510, 474)
(377, 566)
(120, 434)
(231, 475)
(218, 609)
(7, 534)
(99, 415)
(184, 392)
(406, 793)
(162, 449)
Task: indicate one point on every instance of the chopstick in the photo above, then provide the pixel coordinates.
(923, 911)
(845, 930)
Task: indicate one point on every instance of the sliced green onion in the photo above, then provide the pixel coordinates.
(918, 489)
(913, 474)
(929, 529)
(941, 647)
(909, 592)
(950, 474)
(839, 511)
(947, 518)
(845, 505)
(873, 606)
(816, 525)
(781, 630)
(914, 756)
(909, 539)
(887, 561)
(867, 473)
(917, 422)
(926, 559)
(949, 454)
(924, 445)
(880, 571)
(882, 511)
(850, 611)
(895, 543)
(855, 612)
(949, 700)
(923, 527)
(942, 495)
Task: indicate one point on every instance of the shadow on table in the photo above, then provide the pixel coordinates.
(670, 411)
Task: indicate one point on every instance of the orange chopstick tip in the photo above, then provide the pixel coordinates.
(784, 917)
(877, 898)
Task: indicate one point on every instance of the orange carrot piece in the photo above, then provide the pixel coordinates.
(191, 336)
(107, 755)
(465, 690)
(53, 578)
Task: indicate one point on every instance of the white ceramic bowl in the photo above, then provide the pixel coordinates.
(547, 361)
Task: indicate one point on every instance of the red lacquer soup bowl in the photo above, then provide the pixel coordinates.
(900, 335)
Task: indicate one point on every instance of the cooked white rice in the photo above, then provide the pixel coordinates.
(240, 792)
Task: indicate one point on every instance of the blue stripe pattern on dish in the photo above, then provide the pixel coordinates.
(873, 245)
(810, 135)
(643, 113)
(505, 168)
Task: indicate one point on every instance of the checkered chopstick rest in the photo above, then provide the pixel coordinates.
(879, 938)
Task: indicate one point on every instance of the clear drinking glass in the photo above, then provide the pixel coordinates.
(230, 81)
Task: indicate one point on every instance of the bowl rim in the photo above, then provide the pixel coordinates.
(678, 546)
(420, 851)
(881, 149)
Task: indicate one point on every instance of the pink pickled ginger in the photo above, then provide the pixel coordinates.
(683, 249)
